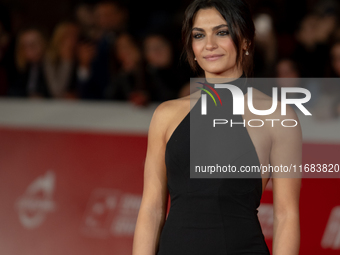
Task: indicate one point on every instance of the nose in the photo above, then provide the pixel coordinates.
(210, 43)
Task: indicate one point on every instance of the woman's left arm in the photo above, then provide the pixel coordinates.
(286, 151)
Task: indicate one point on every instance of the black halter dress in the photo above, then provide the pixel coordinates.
(212, 216)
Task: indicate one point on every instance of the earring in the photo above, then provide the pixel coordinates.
(247, 52)
(195, 58)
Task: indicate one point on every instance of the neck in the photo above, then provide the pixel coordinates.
(226, 76)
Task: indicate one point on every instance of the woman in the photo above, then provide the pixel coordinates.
(164, 78)
(216, 216)
(328, 104)
(29, 80)
(129, 82)
(59, 63)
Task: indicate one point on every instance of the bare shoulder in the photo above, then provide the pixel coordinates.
(167, 109)
(167, 113)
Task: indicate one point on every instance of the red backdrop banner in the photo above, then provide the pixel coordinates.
(76, 192)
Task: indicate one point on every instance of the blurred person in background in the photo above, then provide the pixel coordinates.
(312, 54)
(334, 65)
(288, 74)
(85, 19)
(30, 80)
(331, 90)
(86, 51)
(110, 17)
(164, 78)
(93, 78)
(11, 20)
(313, 36)
(287, 68)
(4, 44)
(266, 46)
(59, 63)
(129, 82)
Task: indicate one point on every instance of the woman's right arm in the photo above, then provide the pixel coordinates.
(152, 212)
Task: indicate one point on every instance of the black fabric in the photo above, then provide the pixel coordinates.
(19, 85)
(212, 216)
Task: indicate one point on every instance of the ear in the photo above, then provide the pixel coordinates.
(245, 44)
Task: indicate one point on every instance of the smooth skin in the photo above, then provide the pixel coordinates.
(275, 145)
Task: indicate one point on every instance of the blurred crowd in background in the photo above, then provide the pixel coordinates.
(130, 51)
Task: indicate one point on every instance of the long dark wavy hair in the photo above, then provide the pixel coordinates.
(240, 24)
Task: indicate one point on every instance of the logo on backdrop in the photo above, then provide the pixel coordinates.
(265, 214)
(37, 201)
(110, 212)
(331, 236)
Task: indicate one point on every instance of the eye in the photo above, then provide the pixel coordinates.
(197, 36)
(224, 32)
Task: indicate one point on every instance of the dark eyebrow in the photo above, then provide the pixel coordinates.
(214, 28)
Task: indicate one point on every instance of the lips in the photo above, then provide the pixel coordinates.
(213, 57)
